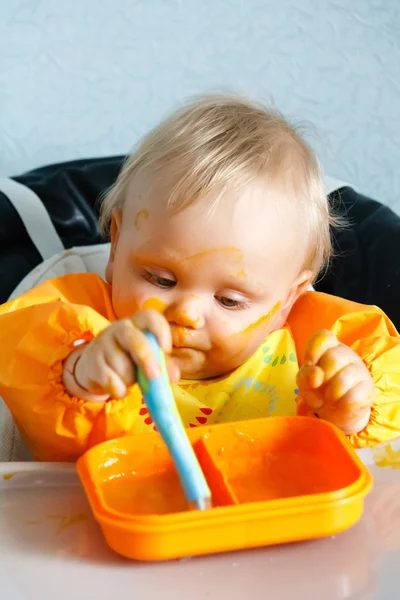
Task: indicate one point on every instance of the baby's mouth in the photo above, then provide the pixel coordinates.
(189, 360)
(185, 351)
(184, 339)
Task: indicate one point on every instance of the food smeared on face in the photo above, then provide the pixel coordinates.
(141, 216)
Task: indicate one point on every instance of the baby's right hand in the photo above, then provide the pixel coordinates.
(106, 367)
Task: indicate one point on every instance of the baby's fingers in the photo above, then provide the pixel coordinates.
(321, 342)
(342, 358)
(310, 377)
(133, 341)
(96, 377)
(120, 362)
(352, 412)
(112, 384)
(352, 382)
(129, 335)
(157, 324)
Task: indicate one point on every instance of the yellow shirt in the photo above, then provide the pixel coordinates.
(38, 330)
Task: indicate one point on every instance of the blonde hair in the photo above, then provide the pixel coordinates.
(218, 143)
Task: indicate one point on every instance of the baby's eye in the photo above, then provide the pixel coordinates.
(231, 303)
(159, 281)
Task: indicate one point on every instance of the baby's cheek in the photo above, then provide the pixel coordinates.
(246, 343)
(250, 336)
(234, 349)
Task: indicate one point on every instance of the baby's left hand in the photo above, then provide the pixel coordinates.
(335, 384)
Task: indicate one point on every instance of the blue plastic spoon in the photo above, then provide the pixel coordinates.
(157, 394)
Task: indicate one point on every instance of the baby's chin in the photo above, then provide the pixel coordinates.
(192, 363)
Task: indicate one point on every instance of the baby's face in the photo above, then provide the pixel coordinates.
(223, 281)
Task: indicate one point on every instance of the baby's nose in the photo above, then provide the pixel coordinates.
(186, 312)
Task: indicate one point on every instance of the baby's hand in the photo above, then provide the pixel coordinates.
(106, 367)
(335, 384)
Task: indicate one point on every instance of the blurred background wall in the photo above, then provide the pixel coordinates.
(83, 78)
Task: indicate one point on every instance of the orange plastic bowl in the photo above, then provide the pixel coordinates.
(273, 480)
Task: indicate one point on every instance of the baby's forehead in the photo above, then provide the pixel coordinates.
(252, 197)
(256, 222)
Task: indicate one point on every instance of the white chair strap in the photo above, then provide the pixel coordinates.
(34, 216)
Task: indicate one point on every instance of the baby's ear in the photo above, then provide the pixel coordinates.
(115, 230)
(300, 285)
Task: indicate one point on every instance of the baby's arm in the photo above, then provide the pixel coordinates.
(37, 334)
(356, 384)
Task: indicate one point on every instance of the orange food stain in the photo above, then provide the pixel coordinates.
(213, 251)
(95, 388)
(387, 456)
(241, 274)
(190, 321)
(181, 335)
(154, 304)
(241, 338)
(112, 390)
(262, 320)
(142, 215)
(8, 476)
(67, 520)
(154, 494)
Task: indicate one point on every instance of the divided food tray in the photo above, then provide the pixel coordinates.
(273, 480)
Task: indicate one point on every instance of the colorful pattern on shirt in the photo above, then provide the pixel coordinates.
(264, 386)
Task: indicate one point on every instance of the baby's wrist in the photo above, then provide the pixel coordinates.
(71, 382)
(356, 426)
(363, 420)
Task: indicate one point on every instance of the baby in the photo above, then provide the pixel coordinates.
(219, 223)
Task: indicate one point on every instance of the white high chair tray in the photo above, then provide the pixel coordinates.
(51, 548)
